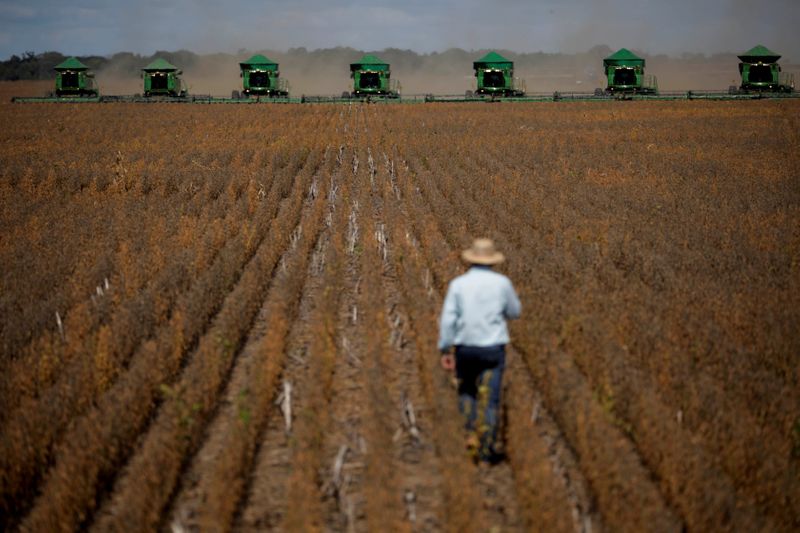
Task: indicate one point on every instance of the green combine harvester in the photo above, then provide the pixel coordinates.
(161, 78)
(261, 77)
(494, 76)
(494, 82)
(761, 73)
(372, 77)
(73, 79)
(624, 71)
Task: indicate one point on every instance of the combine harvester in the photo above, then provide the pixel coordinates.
(494, 81)
(163, 79)
(494, 77)
(625, 73)
(161, 82)
(261, 78)
(761, 73)
(73, 80)
(74, 83)
(372, 78)
(372, 82)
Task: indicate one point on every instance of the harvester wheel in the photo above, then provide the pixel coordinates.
(235, 95)
(469, 94)
(346, 95)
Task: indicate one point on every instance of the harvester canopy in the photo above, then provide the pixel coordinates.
(493, 60)
(258, 62)
(759, 54)
(71, 63)
(160, 65)
(623, 58)
(369, 62)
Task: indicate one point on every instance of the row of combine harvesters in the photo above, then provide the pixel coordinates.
(494, 81)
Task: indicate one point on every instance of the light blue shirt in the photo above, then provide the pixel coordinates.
(476, 308)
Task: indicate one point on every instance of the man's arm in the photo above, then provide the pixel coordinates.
(513, 307)
(447, 321)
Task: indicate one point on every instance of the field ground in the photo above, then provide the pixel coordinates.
(224, 318)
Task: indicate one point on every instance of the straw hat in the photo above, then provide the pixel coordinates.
(482, 252)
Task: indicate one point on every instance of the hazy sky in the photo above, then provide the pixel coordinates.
(653, 26)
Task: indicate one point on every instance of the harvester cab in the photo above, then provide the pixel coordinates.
(624, 77)
(372, 77)
(261, 77)
(625, 74)
(161, 78)
(74, 79)
(494, 75)
(761, 72)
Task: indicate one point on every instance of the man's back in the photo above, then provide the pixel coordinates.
(476, 308)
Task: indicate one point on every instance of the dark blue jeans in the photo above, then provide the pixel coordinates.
(480, 375)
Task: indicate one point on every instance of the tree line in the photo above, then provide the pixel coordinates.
(30, 65)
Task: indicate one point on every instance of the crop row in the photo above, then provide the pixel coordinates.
(150, 373)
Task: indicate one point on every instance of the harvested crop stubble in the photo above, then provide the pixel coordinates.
(415, 451)
(222, 479)
(384, 504)
(306, 483)
(655, 246)
(461, 497)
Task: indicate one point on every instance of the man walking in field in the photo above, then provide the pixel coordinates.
(474, 321)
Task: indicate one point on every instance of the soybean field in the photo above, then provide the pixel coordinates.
(220, 318)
